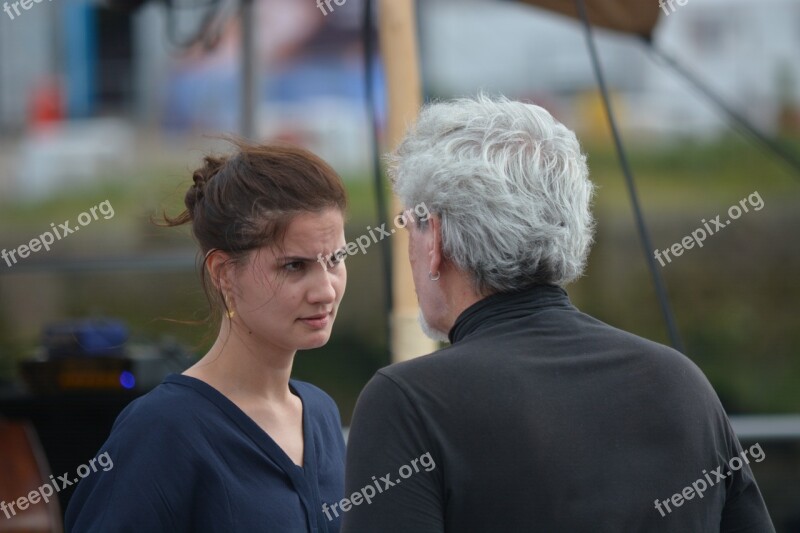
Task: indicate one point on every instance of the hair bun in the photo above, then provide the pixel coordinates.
(201, 177)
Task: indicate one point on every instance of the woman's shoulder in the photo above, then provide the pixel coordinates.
(170, 404)
(315, 399)
(310, 391)
(159, 449)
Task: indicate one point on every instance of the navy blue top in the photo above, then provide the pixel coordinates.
(187, 459)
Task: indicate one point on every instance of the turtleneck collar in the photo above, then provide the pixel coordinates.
(505, 306)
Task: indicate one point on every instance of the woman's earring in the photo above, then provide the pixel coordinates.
(432, 278)
(231, 312)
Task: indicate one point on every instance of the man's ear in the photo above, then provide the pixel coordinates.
(435, 244)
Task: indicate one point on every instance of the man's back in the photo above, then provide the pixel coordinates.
(541, 418)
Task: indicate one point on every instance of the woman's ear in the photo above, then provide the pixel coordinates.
(218, 265)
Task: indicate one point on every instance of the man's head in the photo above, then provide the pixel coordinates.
(509, 195)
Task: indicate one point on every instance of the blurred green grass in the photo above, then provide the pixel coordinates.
(735, 298)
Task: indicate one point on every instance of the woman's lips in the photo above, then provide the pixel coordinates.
(317, 321)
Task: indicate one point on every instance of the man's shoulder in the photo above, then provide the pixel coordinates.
(424, 365)
(594, 342)
(658, 356)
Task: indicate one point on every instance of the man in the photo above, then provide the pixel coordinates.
(538, 417)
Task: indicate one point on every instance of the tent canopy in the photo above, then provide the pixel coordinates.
(629, 16)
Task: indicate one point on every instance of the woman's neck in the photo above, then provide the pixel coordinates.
(243, 367)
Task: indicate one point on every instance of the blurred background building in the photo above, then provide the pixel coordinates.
(88, 61)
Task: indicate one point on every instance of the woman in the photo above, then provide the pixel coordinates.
(234, 444)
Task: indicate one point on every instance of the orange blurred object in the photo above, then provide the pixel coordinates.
(46, 105)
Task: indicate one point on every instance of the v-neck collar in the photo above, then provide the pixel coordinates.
(302, 477)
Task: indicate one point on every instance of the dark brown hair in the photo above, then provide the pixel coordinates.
(245, 200)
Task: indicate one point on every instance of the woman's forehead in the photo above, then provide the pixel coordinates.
(311, 233)
(315, 225)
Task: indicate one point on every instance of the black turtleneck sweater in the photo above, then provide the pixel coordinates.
(539, 418)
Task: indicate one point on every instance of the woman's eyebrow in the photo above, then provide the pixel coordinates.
(293, 258)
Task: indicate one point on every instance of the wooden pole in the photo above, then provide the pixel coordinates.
(249, 76)
(398, 39)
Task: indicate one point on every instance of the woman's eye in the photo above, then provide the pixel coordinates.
(294, 266)
(338, 256)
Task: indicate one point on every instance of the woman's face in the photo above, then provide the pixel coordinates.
(286, 297)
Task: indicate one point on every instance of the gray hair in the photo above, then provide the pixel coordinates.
(510, 185)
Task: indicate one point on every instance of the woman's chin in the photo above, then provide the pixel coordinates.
(318, 340)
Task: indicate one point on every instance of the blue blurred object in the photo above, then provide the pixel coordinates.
(80, 50)
(127, 380)
(85, 338)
